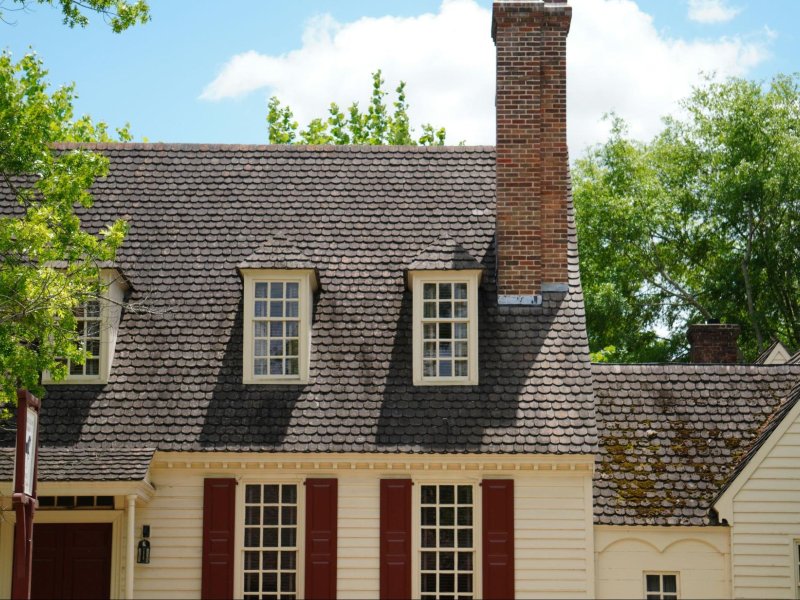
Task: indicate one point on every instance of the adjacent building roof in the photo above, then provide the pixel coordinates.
(361, 215)
(84, 464)
(672, 435)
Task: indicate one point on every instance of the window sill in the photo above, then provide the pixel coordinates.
(461, 382)
(274, 381)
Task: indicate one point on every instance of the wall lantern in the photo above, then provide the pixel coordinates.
(143, 553)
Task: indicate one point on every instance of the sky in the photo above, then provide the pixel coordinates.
(202, 71)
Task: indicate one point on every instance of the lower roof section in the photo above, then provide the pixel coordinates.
(67, 463)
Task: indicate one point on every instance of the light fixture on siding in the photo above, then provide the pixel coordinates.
(143, 553)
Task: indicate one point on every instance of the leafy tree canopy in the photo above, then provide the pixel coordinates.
(37, 300)
(702, 222)
(376, 126)
(119, 14)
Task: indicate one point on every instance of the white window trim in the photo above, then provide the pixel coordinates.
(238, 536)
(477, 528)
(677, 581)
(307, 281)
(416, 281)
(102, 376)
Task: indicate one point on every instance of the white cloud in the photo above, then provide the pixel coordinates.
(711, 11)
(617, 61)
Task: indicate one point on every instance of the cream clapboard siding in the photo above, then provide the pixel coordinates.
(554, 542)
(766, 521)
(553, 537)
(699, 555)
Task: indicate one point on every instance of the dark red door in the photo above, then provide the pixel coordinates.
(71, 561)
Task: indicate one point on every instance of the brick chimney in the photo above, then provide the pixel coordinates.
(713, 343)
(532, 160)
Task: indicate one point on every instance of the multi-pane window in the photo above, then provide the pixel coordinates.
(276, 328)
(445, 329)
(270, 542)
(661, 586)
(447, 551)
(88, 327)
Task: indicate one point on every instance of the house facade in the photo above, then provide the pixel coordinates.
(363, 372)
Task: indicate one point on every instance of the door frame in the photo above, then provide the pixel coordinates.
(66, 517)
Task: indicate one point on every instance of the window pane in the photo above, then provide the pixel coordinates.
(275, 309)
(292, 308)
(292, 290)
(251, 582)
(447, 516)
(429, 310)
(251, 537)
(429, 494)
(429, 331)
(447, 494)
(270, 494)
(93, 329)
(260, 366)
(445, 310)
(251, 561)
(292, 347)
(252, 516)
(461, 368)
(270, 515)
(260, 348)
(428, 561)
(276, 289)
(287, 582)
(93, 347)
(460, 348)
(289, 560)
(446, 538)
(92, 366)
(445, 368)
(260, 329)
(447, 561)
(460, 310)
(289, 494)
(276, 347)
(465, 561)
(276, 366)
(270, 537)
(261, 290)
(252, 493)
(292, 329)
(670, 584)
(445, 331)
(289, 515)
(288, 536)
(445, 291)
(653, 583)
(428, 516)
(428, 582)
(465, 582)
(261, 309)
(429, 349)
(460, 290)
(93, 308)
(276, 328)
(292, 366)
(269, 582)
(429, 368)
(465, 538)
(465, 515)
(428, 538)
(460, 331)
(270, 560)
(447, 582)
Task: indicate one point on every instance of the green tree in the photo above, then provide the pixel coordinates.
(702, 222)
(48, 262)
(119, 14)
(376, 126)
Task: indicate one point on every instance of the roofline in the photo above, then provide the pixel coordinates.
(697, 366)
(178, 147)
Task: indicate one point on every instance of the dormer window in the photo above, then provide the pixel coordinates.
(96, 326)
(89, 327)
(445, 336)
(277, 325)
(444, 280)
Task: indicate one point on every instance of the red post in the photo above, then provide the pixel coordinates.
(24, 497)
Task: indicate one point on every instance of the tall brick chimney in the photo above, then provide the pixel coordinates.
(532, 160)
(713, 343)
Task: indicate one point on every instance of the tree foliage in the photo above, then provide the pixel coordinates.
(48, 262)
(119, 14)
(375, 126)
(702, 222)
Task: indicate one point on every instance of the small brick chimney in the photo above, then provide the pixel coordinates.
(533, 183)
(713, 343)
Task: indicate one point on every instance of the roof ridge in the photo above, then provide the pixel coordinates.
(177, 146)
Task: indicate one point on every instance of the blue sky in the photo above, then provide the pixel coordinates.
(201, 71)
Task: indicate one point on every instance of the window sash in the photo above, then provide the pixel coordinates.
(661, 586)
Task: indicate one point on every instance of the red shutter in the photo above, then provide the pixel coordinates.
(395, 539)
(498, 538)
(219, 508)
(321, 517)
